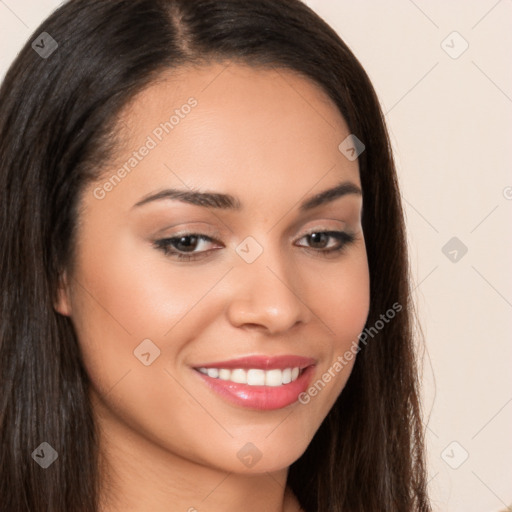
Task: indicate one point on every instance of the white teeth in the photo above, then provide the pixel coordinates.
(213, 372)
(239, 376)
(273, 378)
(254, 376)
(224, 374)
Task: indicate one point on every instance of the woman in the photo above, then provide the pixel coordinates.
(198, 311)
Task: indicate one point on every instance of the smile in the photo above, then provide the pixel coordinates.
(254, 376)
(259, 382)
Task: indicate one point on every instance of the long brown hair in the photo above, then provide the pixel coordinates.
(57, 117)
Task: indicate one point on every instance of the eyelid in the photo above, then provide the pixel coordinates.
(317, 228)
(189, 231)
(215, 235)
(207, 229)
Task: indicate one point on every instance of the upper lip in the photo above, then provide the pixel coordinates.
(262, 362)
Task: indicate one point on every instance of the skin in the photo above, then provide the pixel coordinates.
(270, 138)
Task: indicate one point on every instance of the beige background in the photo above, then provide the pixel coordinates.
(450, 118)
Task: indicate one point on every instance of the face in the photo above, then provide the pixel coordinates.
(201, 325)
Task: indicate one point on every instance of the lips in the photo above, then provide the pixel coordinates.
(262, 362)
(259, 382)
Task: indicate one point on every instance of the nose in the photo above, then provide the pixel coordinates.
(268, 294)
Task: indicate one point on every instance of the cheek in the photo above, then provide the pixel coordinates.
(136, 289)
(124, 295)
(342, 305)
(342, 297)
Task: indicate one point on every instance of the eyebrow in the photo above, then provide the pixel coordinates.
(229, 202)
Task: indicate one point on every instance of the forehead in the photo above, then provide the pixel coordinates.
(228, 85)
(250, 104)
(228, 125)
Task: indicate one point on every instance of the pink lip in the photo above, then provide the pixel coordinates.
(261, 397)
(262, 363)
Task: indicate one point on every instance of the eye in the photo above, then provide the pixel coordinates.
(318, 241)
(186, 247)
(183, 246)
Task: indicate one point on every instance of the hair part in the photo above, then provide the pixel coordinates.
(58, 129)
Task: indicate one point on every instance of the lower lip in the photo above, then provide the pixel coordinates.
(263, 398)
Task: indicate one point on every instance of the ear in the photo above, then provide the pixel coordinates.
(63, 302)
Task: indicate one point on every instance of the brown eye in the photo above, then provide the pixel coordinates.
(319, 241)
(184, 246)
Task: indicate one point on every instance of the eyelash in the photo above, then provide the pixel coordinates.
(165, 244)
